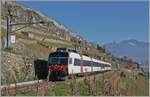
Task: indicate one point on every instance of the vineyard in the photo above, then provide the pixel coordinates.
(117, 82)
(39, 40)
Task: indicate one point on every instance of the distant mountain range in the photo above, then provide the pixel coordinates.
(133, 49)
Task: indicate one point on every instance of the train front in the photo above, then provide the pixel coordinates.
(58, 65)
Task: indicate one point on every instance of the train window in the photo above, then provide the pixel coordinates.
(102, 65)
(86, 63)
(77, 62)
(97, 64)
(89, 63)
(94, 64)
(107, 65)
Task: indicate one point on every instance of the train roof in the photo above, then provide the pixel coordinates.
(66, 50)
(86, 57)
(99, 61)
(95, 60)
(73, 54)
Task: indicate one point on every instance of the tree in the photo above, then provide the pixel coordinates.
(101, 49)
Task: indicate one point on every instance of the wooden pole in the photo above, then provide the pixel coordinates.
(46, 87)
(37, 87)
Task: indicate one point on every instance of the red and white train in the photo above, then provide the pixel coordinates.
(66, 62)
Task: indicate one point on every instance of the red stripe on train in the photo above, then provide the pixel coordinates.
(58, 67)
(81, 68)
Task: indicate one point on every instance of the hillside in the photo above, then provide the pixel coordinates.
(38, 40)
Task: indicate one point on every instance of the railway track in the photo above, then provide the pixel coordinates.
(21, 83)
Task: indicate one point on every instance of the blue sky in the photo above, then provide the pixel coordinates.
(100, 22)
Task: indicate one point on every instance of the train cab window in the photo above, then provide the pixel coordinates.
(58, 58)
(55, 60)
(63, 60)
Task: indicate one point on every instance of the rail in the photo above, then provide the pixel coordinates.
(21, 83)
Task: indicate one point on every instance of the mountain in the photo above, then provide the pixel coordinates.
(133, 49)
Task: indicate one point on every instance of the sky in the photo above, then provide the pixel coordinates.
(100, 22)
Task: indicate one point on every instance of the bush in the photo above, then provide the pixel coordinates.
(122, 74)
(141, 74)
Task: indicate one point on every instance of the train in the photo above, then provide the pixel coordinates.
(64, 62)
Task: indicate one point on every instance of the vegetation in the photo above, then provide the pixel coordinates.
(115, 83)
(101, 49)
(60, 88)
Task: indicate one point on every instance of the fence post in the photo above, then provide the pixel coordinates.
(87, 81)
(15, 89)
(103, 76)
(95, 83)
(74, 85)
(37, 86)
(46, 87)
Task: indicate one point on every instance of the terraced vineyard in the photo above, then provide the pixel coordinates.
(109, 83)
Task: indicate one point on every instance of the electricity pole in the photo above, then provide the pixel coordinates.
(10, 25)
(9, 19)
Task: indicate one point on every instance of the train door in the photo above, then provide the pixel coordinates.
(70, 63)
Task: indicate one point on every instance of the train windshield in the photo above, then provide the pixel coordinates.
(59, 58)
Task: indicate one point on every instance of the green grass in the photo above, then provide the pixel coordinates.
(83, 88)
(21, 93)
(28, 93)
(59, 89)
